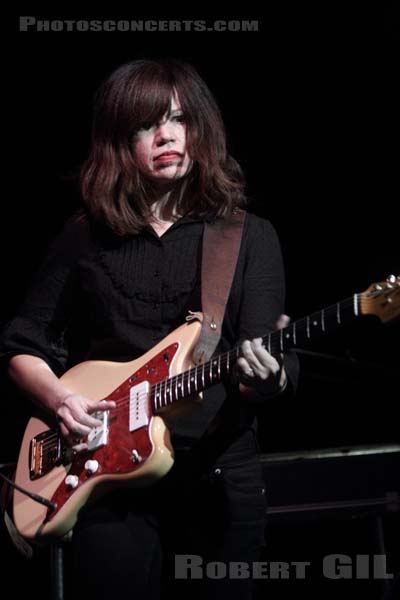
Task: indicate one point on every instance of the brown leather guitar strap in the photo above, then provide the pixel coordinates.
(221, 245)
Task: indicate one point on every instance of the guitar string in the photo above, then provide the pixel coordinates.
(167, 386)
(123, 401)
(301, 326)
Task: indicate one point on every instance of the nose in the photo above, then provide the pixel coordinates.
(164, 133)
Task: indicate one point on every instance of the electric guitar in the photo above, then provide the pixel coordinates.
(132, 446)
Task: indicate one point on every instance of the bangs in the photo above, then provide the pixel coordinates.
(151, 100)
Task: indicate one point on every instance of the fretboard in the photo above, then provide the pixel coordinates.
(296, 335)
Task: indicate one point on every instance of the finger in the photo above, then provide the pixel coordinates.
(80, 447)
(261, 361)
(75, 412)
(260, 370)
(70, 439)
(103, 405)
(268, 361)
(74, 427)
(282, 322)
(64, 431)
(81, 408)
(251, 358)
(85, 419)
(77, 444)
(244, 368)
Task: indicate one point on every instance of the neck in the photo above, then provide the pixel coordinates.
(163, 202)
(161, 210)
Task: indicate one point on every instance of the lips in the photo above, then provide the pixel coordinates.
(168, 156)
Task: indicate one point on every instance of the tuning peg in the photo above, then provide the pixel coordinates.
(391, 279)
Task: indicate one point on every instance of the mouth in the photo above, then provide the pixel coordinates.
(167, 156)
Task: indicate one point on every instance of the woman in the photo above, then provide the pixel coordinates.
(122, 275)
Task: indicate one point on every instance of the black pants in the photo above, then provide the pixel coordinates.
(183, 536)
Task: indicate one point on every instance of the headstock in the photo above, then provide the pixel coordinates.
(382, 299)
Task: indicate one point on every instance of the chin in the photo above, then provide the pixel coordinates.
(168, 175)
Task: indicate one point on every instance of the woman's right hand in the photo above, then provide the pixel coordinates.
(74, 412)
(74, 415)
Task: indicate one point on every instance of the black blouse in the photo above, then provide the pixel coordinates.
(100, 296)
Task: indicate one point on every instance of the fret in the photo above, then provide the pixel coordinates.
(308, 327)
(168, 390)
(323, 320)
(189, 389)
(210, 371)
(157, 396)
(281, 339)
(202, 377)
(338, 319)
(294, 333)
(163, 386)
(195, 379)
(154, 396)
(269, 343)
(219, 367)
(162, 393)
(355, 304)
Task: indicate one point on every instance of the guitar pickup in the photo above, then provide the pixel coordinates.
(138, 401)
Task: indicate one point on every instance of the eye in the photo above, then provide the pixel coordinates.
(145, 126)
(178, 118)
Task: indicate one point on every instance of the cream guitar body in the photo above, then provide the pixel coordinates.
(131, 448)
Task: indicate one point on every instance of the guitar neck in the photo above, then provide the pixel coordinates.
(297, 334)
(314, 326)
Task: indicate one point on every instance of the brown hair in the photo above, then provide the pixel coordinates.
(138, 93)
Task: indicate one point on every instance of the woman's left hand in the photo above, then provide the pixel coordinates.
(257, 368)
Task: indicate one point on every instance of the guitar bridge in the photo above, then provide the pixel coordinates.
(45, 451)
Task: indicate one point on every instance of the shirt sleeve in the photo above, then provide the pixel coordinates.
(39, 326)
(263, 292)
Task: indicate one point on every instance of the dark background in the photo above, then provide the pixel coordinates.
(310, 103)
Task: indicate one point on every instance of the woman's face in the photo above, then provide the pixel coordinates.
(160, 148)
